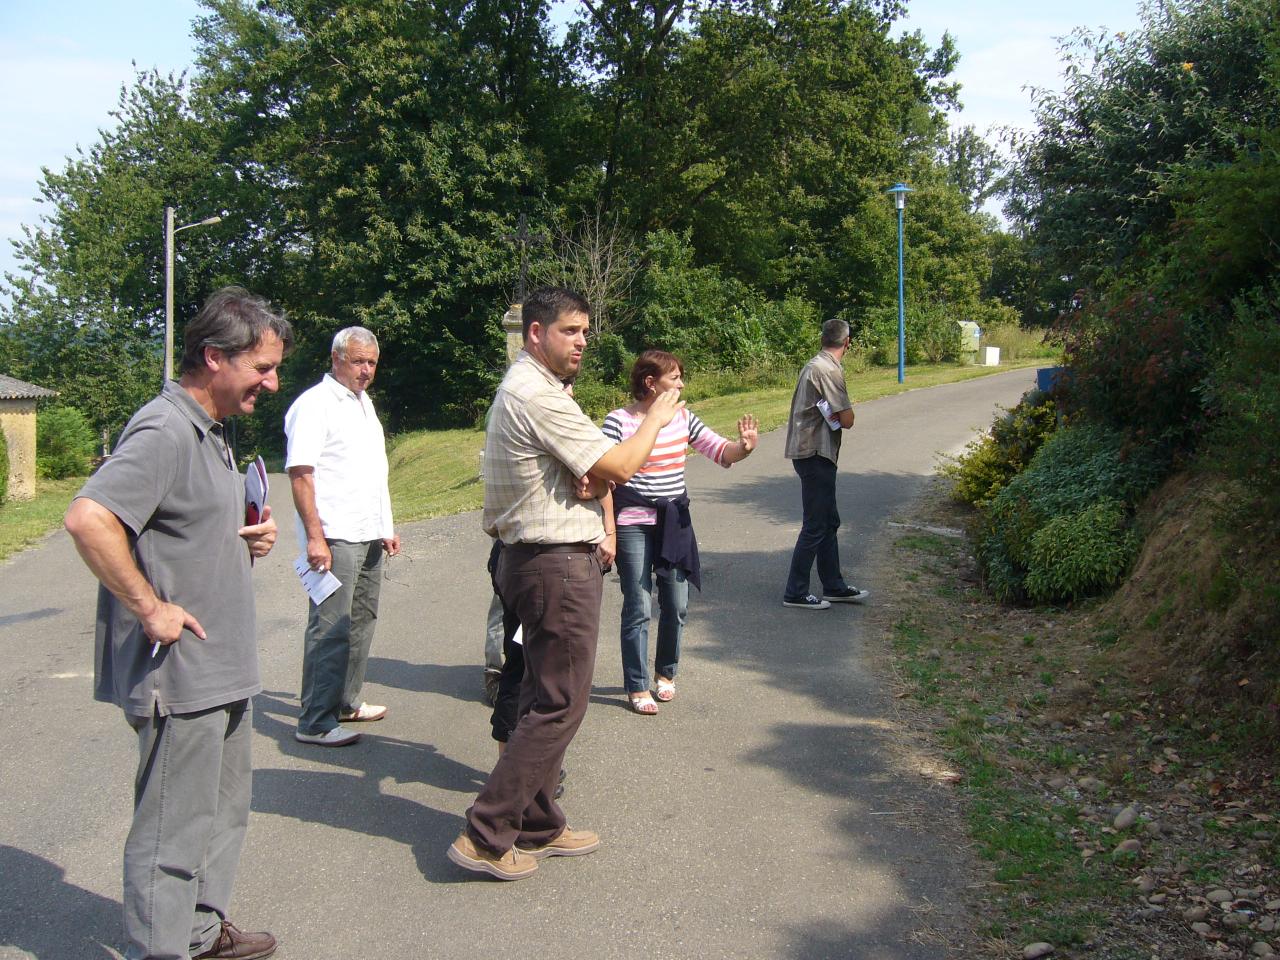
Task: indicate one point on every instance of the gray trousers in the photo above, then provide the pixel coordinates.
(339, 633)
(190, 811)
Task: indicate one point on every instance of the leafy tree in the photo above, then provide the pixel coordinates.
(64, 442)
(1139, 111)
(974, 167)
(397, 164)
(86, 312)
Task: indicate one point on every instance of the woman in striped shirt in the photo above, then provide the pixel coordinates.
(654, 535)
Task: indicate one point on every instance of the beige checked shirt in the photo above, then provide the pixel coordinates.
(807, 432)
(537, 443)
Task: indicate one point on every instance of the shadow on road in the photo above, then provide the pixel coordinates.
(27, 616)
(44, 916)
(374, 757)
(355, 803)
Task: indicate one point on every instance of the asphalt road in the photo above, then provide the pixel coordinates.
(760, 815)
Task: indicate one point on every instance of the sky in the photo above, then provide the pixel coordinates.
(62, 63)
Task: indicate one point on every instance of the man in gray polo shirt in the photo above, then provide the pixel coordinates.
(161, 525)
(820, 410)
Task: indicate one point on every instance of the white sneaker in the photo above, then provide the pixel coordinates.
(337, 737)
(362, 713)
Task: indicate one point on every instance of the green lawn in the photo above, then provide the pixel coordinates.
(23, 522)
(436, 472)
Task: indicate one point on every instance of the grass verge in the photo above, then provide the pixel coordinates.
(23, 522)
(1112, 822)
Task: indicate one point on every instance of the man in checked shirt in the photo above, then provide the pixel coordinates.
(542, 453)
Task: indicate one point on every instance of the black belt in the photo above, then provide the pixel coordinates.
(536, 548)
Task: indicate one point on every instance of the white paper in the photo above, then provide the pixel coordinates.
(824, 408)
(518, 636)
(319, 585)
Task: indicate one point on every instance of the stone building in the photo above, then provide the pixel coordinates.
(18, 421)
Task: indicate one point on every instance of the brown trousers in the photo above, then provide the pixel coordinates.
(557, 597)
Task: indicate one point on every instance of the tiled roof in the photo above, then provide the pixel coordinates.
(14, 389)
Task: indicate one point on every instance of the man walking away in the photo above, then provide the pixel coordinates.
(337, 463)
(820, 410)
(161, 525)
(542, 456)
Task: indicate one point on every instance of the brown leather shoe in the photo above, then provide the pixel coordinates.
(570, 843)
(512, 865)
(235, 944)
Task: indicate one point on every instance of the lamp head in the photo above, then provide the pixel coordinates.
(899, 191)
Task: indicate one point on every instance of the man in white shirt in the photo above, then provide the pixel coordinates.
(337, 463)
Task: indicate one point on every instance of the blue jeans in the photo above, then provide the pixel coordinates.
(817, 539)
(635, 570)
(338, 636)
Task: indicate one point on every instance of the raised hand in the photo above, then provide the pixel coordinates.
(748, 432)
(665, 406)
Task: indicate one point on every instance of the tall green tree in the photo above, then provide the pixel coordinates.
(86, 310)
(393, 139)
(1138, 112)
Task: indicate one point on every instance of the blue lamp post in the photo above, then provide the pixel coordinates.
(900, 191)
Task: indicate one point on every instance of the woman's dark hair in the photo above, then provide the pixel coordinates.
(652, 363)
(232, 320)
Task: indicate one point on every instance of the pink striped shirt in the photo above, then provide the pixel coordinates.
(662, 475)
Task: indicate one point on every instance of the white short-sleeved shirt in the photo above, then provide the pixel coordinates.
(336, 432)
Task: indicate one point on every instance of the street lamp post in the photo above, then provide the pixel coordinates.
(900, 191)
(169, 231)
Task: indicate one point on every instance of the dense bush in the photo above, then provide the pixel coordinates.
(597, 398)
(64, 443)
(1081, 554)
(1139, 362)
(932, 334)
(4, 467)
(1059, 495)
(712, 321)
(1245, 440)
(992, 460)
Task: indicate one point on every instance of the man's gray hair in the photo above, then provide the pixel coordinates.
(233, 320)
(834, 332)
(360, 335)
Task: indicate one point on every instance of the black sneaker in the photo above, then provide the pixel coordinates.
(805, 603)
(847, 595)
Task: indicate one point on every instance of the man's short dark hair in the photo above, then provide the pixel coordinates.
(834, 332)
(546, 305)
(232, 320)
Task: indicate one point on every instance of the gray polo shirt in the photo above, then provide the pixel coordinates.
(171, 483)
(807, 432)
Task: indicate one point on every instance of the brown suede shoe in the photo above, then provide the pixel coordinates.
(570, 843)
(235, 944)
(512, 865)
